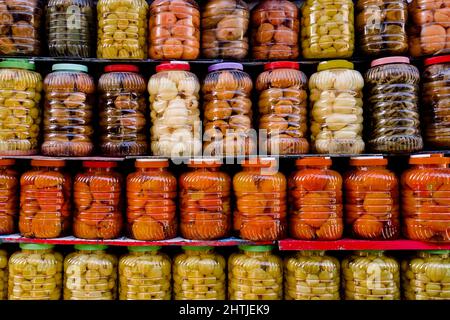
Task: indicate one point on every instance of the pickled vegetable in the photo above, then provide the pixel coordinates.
(9, 198)
(3, 275)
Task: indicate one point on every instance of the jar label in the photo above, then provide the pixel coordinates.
(73, 17)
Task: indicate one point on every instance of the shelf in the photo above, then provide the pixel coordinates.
(38, 157)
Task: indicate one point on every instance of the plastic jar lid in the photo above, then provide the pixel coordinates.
(36, 246)
(7, 162)
(48, 163)
(99, 164)
(173, 65)
(204, 163)
(314, 161)
(389, 60)
(259, 162)
(368, 161)
(438, 251)
(335, 64)
(18, 64)
(282, 65)
(90, 247)
(143, 248)
(121, 68)
(257, 248)
(69, 67)
(437, 158)
(436, 60)
(151, 163)
(197, 248)
(225, 66)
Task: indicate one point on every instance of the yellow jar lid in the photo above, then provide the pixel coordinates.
(335, 64)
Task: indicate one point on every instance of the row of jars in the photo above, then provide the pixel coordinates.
(37, 272)
(309, 205)
(273, 29)
(335, 112)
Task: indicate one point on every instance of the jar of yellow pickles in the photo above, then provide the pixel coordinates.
(3, 275)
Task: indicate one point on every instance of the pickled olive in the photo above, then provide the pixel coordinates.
(174, 30)
(370, 275)
(275, 29)
(68, 129)
(3, 275)
(393, 101)
(45, 206)
(20, 94)
(311, 275)
(151, 207)
(122, 32)
(282, 107)
(35, 273)
(122, 111)
(90, 274)
(98, 201)
(426, 276)
(255, 273)
(175, 114)
(425, 194)
(70, 26)
(9, 199)
(372, 199)
(199, 274)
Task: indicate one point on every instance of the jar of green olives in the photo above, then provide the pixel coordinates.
(3, 275)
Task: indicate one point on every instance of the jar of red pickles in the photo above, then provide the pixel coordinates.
(315, 199)
(425, 198)
(371, 199)
(45, 207)
(205, 212)
(98, 202)
(9, 197)
(260, 190)
(151, 195)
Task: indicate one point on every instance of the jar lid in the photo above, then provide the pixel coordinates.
(151, 163)
(224, 66)
(36, 246)
(90, 247)
(314, 161)
(18, 64)
(121, 68)
(7, 162)
(204, 163)
(69, 67)
(257, 248)
(99, 164)
(436, 60)
(389, 60)
(173, 65)
(259, 162)
(368, 161)
(438, 251)
(48, 163)
(282, 65)
(197, 248)
(143, 248)
(335, 64)
(436, 158)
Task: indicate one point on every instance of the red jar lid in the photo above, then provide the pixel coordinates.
(173, 65)
(48, 163)
(204, 163)
(7, 162)
(151, 163)
(259, 162)
(437, 158)
(314, 161)
(282, 64)
(368, 161)
(436, 60)
(99, 164)
(389, 60)
(121, 68)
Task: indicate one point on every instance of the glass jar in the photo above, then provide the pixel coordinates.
(425, 198)
(435, 101)
(336, 108)
(260, 191)
(255, 273)
(3, 275)
(426, 276)
(199, 274)
(9, 197)
(20, 94)
(370, 275)
(123, 108)
(145, 274)
(20, 27)
(205, 212)
(70, 26)
(45, 200)
(175, 115)
(393, 101)
(224, 29)
(35, 273)
(311, 275)
(69, 97)
(372, 199)
(315, 199)
(90, 273)
(227, 109)
(429, 27)
(98, 201)
(174, 30)
(327, 29)
(151, 196)
(282, 107)
(122, 30)
(381, 25)
(275, 26)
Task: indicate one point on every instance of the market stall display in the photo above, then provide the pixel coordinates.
(9, 197)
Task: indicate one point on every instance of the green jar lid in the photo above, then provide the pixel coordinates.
(36, 246)
(438, 251)
(18, 64)
(197, 248)
(257, 248)
(69, 67)
(143, 248)
(90, 247)
(335, 64)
